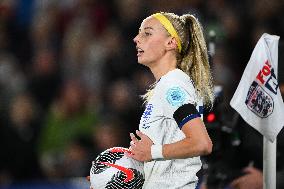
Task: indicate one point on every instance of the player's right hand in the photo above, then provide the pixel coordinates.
(140, 149)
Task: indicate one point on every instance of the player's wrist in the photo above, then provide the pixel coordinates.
(157, 151)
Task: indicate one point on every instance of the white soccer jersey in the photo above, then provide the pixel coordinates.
(171, 92)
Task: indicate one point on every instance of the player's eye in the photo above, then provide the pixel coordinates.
(147, 34)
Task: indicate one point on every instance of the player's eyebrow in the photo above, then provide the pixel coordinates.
(150, 28)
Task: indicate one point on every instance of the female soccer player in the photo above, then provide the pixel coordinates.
(172, 133)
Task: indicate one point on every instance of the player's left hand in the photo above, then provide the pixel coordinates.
(140, 149)
(251, 180)
(88, 179)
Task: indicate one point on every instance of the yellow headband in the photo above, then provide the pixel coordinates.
(169, 27)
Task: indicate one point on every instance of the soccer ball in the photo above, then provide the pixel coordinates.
(112, 169)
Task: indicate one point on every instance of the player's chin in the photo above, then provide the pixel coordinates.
(139, 60)
(142, 62)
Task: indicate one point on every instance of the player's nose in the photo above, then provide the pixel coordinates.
(136, 39)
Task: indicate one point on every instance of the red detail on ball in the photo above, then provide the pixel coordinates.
(120, 150)
(129, 173)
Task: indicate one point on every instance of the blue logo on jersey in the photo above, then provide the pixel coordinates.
(147, 113)
(175, 96)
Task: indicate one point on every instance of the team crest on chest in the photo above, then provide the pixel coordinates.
(175, 96)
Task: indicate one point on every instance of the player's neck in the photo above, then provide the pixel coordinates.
(163, 66)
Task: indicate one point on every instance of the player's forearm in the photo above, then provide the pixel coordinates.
(187, 148)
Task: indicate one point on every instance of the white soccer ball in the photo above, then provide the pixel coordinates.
(112, 169)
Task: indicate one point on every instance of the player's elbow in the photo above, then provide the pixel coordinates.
(206, 147)
(209, 147)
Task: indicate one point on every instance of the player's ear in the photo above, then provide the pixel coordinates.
(170, 43)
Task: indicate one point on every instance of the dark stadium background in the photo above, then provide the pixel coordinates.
(70, 83)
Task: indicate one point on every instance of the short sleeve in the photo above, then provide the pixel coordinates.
(174, 95)
(179, 101)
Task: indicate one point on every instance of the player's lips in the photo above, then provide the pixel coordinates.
(139, 51)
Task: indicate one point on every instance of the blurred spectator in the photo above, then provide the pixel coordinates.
(77, 157)
(223, 74)
(83, 55)
(43, 30)
(12, 78)
(143, 79)
(18, 140)
(129, 14)
(122, 100)
(116, 63)
(44, 77)
(20, 18)
(110, 132)
(67, 120)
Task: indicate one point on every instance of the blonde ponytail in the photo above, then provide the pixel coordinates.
(195, 62)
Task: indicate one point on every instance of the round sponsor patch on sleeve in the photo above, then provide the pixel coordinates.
(175, 96)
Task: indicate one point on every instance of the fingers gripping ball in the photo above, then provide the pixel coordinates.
(112, 169)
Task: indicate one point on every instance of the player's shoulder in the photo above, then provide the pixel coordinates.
(177, 79)
(177, 88)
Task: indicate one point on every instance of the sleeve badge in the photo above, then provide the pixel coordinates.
(175, 96)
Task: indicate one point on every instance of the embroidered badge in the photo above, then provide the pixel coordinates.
(259, 101)
(175, 96)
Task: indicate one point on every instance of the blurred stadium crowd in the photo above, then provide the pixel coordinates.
(70, 82)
